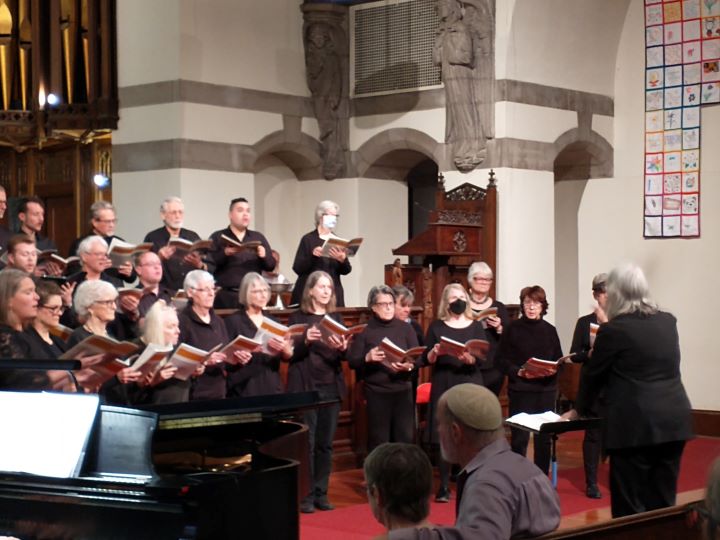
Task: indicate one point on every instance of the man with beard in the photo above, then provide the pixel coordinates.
(174, 266)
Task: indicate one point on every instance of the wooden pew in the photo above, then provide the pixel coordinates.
(674, 523)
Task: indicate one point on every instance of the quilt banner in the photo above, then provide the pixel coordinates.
(682, 54)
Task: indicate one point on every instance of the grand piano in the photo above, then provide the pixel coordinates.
(200, 470)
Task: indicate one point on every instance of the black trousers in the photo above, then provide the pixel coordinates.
(531, 402)
(322, 424)
(390, 417)
(644, 478)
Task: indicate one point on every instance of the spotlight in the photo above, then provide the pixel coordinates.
(101, 181)
(52, 100)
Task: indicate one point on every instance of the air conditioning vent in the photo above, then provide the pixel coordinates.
(391, 45)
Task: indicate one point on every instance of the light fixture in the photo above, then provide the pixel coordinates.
(52, 100)
(101, 181)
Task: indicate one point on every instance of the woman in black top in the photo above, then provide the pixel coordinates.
(41, 342)
(387, 385)
(455, 322)
(256, 373)
(316, 365)
(308, 257)
(530, 336)
(202, 328)
(480, 278)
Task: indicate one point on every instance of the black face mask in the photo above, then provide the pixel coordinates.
(458, 307)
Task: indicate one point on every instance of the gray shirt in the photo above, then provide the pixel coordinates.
(505, 496)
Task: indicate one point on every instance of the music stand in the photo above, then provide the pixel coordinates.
(556, 428)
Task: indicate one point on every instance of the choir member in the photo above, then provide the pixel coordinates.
(256, 373)
(316, 365)
(31, 215)
(175, 268)
(636, 362)
(5, 234)
(161, 326)
(94, 303)
(202, 328)
(102, 223)
(582, 348)
(149, 270)
(530, 336)
(387, 385)
(404, 299)
(22, 254)
(480, 278)
(232, 263)
(308, 257)
(454, 321)
(38, 336)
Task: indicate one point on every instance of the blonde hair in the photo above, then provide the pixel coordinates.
(443, 312)
(306, 303)
(153, 327)
(247, 282)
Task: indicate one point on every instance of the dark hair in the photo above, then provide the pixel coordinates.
(46, 289)
(306, 302)
(22, 207)
(537, 294)
(403, 293)
(237, 200)
(18, 239)
(402, 475)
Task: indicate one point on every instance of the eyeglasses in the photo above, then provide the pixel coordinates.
(97, 253)
(483, 279)
(385, 305)
(54, 309)
(260, 291)
(531, 304)
(204, 290)
(107, 221)
(106, 303)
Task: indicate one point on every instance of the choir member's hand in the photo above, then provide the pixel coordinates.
(193, 259)
(338, 254)
(317, 252)
(166, 252)
(572, 414)
(405, 365)
(376, 354)
(313, 334)
(52, 268)
(589, 354)
(167, 372)
(129, 305)
(66, 293)
(496, 323)
(215, 359)
(199, 370)
(467, 358)
(242, 358)
(87, 360)
(129, 375)
(525, 374)
(434, 353)
(338, 342)
(232, 250)
(125, 269)
(261, 252)
(40, 270)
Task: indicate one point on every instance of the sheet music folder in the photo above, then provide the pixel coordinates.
(562, 426)
(45, 433)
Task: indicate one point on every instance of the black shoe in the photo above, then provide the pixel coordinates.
(443, 495)
(593, 492)
(307, 507)
(324, 505)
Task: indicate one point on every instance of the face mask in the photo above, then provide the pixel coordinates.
(329, 222)
(458, 307)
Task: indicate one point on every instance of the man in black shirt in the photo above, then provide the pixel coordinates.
(233, 262)
(31, 214)
(174, 267)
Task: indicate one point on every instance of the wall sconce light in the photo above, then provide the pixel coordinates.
(101, 181)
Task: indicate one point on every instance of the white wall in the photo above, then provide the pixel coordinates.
(682, 273)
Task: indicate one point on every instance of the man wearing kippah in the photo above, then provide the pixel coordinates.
(501, 494)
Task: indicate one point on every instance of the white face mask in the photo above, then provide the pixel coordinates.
(329, 222)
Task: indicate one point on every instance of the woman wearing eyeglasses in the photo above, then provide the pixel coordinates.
(530, 336)
(202, 328)
(42, 343)
(255, 373)
(387, 385)
(480, 279)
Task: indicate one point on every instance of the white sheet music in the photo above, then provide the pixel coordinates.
(45, 433)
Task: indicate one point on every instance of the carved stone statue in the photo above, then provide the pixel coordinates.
(323, 64)
(464, 50)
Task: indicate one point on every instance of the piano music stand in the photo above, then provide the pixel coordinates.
(556, 428)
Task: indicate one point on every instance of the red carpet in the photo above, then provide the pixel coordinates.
(357, 523)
